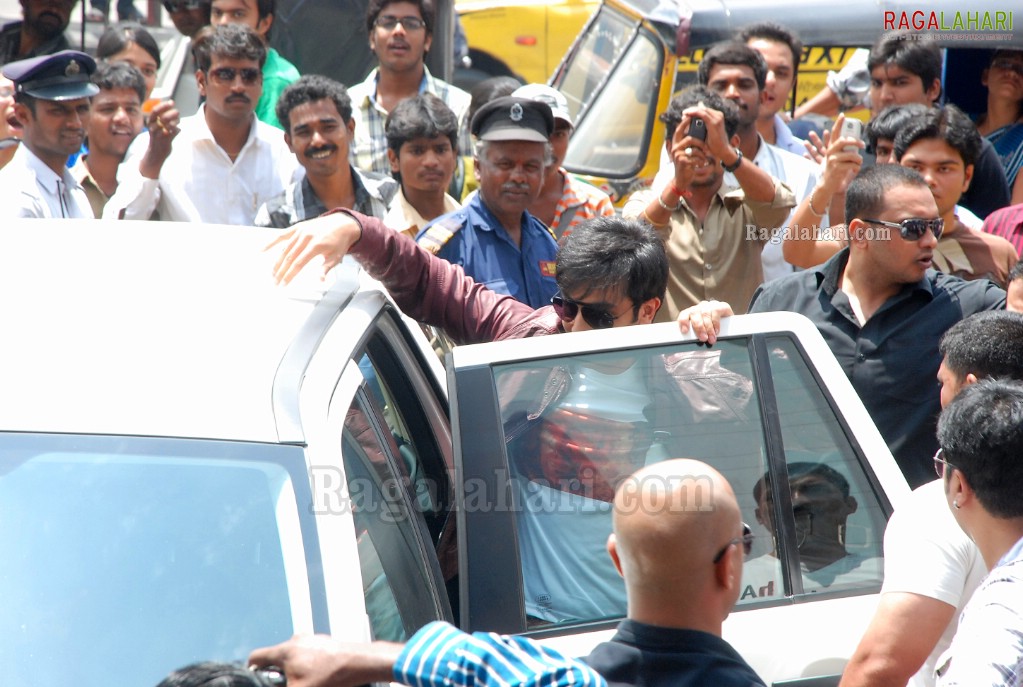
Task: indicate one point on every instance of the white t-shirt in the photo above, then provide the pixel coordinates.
(761, 576)
(927, 553)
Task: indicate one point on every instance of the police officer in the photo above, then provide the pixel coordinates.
(494, 238)
(51, 102)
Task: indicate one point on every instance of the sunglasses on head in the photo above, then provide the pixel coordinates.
(388, 22)
(181, 5)
(227, 75)
(597, 316)
(913, 228)
(1009, 65)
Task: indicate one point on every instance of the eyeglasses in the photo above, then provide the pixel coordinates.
(596, 316)
(1008, 65)
(940, 463)
(913, 229)
(227, 75)
(746, 540)
(389, 21)
(173, 6)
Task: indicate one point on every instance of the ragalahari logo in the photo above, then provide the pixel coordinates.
(921, 20)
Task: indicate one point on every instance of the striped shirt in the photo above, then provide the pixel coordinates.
(1007, 223)
(440, 655)
(369, 149)
(579, 202)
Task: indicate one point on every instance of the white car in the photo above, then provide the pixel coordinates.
(195, 462)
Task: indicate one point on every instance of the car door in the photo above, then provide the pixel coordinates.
(544, 429)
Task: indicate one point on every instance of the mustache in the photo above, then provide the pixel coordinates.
(513, 186)
(320, 149)
(239, 97)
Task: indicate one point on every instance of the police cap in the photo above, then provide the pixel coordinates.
(62, 76)
(513, 119)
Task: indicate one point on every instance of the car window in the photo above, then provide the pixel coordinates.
(575, 427)
(120, 539)
(391, 492)
(838, 520)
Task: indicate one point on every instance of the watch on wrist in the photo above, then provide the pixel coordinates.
(735, 165)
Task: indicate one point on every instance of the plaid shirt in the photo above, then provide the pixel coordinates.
(1007, 223)
(373, 193)
(369, 150)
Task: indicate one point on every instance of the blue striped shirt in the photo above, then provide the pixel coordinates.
(440, 655)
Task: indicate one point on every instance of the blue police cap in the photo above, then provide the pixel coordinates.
(513, 119)
(62, 76)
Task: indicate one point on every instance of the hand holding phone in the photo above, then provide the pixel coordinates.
(852, 128)
(697, 129)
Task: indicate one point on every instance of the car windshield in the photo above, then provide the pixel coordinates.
(125, 558)
(608, 82)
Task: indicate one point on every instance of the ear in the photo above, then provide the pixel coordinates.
(983, 77)
(287, 139)
(969, 379)
(648, 310)
(428, 42)
(969, 177)
(734, 140)
(851, 505)
(612, 550)
(725, 573)
(392, 157)
(22, 114)
(476, 168)
(934, 91)
(351, 129)
(263, 26)
(857, 236)
(200, 80)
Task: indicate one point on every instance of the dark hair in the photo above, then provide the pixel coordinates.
(231, 41)
(981, 435)
(733, 53)
(214, 674)
(1016, 272)
(865, 195)
(613, 254)
(949, 124)
(770, 31)
(425, 116)
(119, 37)
(487, 90)
(986, 344)
(378, 6)
(691, 97)
(890, 121)
(911, 52)
(805, 469)
(111, 75)
(265, 8)
(309, 89)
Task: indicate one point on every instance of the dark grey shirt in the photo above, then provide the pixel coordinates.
(10, 43)
(892, 360)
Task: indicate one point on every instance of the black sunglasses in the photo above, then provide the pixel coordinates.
(1008, 65)
(913, 229)
(596, 316)
(227, 75)
(746, 540)
(388, 22)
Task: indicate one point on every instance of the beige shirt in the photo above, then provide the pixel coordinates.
(97, 199)
(720, 259)
(404, 218)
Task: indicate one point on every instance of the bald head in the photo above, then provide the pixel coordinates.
(671, 519)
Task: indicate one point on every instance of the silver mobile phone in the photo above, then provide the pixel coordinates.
(852, 128)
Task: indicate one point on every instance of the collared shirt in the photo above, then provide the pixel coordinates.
(893, 358)
(653, 656)
(785, 139)
(720, 258)
(29, 188)
(10, 43)
(97, 199)
(800, 175)
(369, 149)
(972, 254)
(373, 193)
(404, 218)
(199, 182)
(1007, 223)
(474, 238)
(440, 655)
(579, 202)
(988, 647)
(278, 74)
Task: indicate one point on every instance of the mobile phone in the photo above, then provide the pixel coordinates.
(852, 128)
(697, 129)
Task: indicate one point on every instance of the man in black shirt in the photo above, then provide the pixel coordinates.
(882, 308)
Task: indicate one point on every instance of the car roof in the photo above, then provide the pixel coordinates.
(152, 328)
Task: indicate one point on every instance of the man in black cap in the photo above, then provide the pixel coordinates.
(41, 32)
(494, 238)
(51, 99)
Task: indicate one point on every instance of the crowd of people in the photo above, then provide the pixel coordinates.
(902, 248)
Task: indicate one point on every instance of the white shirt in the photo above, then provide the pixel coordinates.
(785, 139)
(199, 182)
(29, 188)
